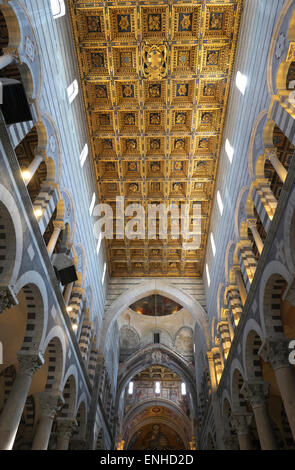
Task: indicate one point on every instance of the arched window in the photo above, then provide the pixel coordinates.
(208, 275)
(91, 207)
(183, 389)
(84, 155)
(131, 388)
(213, 244)
(241, 82)
(58, 8)
(72, 91)
(219, 202)
(157, 387)
(104, 273)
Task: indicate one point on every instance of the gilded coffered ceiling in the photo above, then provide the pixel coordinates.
(156, 78)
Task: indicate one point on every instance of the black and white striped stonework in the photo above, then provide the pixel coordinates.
(235, 303)
(231, 315)
(52, 378)
(92, 364)
(9, 378)
(225, 337)
(85, 339)
(273, 293)
(218, 364)
(248, 265)
(284, 119)
(17, 132)
(77, 305)
(34, 320)
(7, 242)
(253, 360)
(29, 418)
(46, 201)
(260, 204)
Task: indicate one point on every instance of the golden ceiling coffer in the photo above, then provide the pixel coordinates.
(154, 59)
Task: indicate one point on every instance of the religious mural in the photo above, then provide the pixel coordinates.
(156, 305)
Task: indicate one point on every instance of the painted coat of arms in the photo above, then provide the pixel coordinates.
(154, 61)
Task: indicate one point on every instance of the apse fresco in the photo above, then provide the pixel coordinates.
(156, 306)
(156, 437)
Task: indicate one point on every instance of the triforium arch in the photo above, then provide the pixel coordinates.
(150, 287)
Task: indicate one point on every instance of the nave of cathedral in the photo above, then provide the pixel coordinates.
(124, 326)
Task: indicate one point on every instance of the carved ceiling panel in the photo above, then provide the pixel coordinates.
(156, 80)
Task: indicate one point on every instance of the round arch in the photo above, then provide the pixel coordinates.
(36, 299)
(274, 276)
(252, 339)
(11, 221)
(155, 287)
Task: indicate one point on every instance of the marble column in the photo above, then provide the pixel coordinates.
(241, 285)
(49, 404)
(252, 225)
(239, 423)
(58, 227)
(256, 395)
(276, 353)
(65, 429)
(32, 168)
(272, 154)
(13, 409)
(68, 293)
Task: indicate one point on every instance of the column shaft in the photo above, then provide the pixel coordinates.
(43, 432)
(13, 410)
(257, 238)
(286, 381)
(32, 168)
(63, 442)
(279, 167)
(245, 442)
(264, 428)
(53, 240)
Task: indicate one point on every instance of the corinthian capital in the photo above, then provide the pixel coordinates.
(255, 393)
(50, 404)
(275, 353)
(59, 224)
(66, 427)
(251, 223)
(270, 152)
(239, 423)
(29, 362)
(7, 298)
